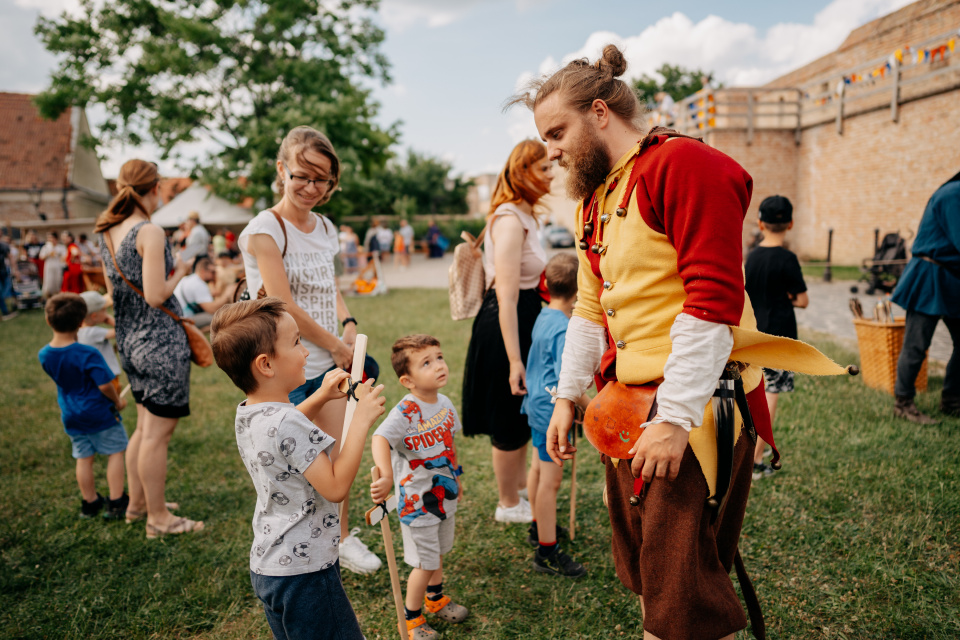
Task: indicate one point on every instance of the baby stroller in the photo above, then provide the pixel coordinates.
(26, 285)
(885, 268)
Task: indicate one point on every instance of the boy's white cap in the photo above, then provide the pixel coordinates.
(95, 301)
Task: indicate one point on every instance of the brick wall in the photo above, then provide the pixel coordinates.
(877, 173)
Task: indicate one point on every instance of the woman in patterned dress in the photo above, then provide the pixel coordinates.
(154, 347)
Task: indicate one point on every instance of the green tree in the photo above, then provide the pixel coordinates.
(427, 185)
(677, 82)
(233, 74)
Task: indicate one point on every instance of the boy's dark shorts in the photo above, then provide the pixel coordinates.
(777, 381)
(308, 606)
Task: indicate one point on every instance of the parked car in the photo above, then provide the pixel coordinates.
(556, 237)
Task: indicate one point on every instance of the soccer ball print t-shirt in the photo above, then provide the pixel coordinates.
(424, 459)
(295, 529)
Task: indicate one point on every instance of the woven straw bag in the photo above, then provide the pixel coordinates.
(467, 277)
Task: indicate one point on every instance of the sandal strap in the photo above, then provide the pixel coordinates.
(434, 606)
(416, 622)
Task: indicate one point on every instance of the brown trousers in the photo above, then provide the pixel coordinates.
(668, 550)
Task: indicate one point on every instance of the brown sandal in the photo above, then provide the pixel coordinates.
(180, 525)
(137, 516)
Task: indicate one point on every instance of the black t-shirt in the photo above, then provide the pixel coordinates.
(772, 275)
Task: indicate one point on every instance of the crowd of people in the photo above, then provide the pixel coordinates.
(674, 317)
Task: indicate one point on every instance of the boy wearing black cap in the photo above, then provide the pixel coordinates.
(775, 285)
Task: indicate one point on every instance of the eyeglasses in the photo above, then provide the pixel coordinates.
(302, 181)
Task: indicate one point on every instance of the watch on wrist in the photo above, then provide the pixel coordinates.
(348, 320)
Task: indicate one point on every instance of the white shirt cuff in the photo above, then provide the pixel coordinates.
(584, 346)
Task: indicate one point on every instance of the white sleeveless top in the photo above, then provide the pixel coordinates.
(533, 258)
(309, 266)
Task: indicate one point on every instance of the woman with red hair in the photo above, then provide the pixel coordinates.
(495, 377)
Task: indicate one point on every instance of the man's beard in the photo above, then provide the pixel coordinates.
(587, 167)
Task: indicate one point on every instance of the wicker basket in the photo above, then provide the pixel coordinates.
(880, 344)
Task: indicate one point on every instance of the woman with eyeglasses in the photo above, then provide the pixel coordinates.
(288, 253)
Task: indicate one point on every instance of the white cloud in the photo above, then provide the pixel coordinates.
(49, 7)
(736, 52)
(403, 14)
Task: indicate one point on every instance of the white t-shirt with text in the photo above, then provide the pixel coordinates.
(310, 271)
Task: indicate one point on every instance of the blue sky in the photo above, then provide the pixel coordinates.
(455, 61)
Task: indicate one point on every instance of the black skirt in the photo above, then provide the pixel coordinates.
(488, 406)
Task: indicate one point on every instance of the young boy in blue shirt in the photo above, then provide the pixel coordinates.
(89, 405)
(543, 374)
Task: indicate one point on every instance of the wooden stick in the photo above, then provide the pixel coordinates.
(125, 390)
(573, 489)
(356, 373)
(392, 565)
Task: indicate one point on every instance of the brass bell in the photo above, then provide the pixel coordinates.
(588, 229)
(602, 249)
(595, 248)
(584, 245)
(605, 218)
(621, 212)
(712, 503)
(610, 312)
(634, 500)
(607, 285)
(621, 344)
(776, 465)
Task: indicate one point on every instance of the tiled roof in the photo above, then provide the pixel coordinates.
(170, 188)
(33, 152)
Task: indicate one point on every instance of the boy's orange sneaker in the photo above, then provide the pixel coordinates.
(446, 609)
(418, 629)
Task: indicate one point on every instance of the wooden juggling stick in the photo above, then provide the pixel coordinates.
(381, 513)
(356, 370)
(573, 488)
(356, 375)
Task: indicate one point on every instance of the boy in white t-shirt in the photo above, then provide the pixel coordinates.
(414, 445)
(91, 333)
(294, 559)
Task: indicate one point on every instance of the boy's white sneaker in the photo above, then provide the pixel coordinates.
(519, 512)
(355, 556)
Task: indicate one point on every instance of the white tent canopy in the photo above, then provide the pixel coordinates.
(214, 211)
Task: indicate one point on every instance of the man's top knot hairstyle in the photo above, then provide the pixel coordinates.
(581, 82)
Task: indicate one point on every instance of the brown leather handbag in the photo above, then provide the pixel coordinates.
(200, 350)
(613, 418)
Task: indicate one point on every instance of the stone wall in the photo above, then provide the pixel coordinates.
(877, 173)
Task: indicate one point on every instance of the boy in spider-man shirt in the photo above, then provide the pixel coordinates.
(415, 444)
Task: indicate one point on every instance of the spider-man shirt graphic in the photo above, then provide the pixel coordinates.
(424, 458)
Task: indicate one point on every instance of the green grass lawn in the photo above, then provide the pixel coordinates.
(838, 272)
(856, 538)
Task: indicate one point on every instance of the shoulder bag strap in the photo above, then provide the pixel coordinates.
(283, 227)
(109, 241)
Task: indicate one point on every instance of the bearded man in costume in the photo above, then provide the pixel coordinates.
(662, 302)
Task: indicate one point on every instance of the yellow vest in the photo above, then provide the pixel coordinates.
(641, 294)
